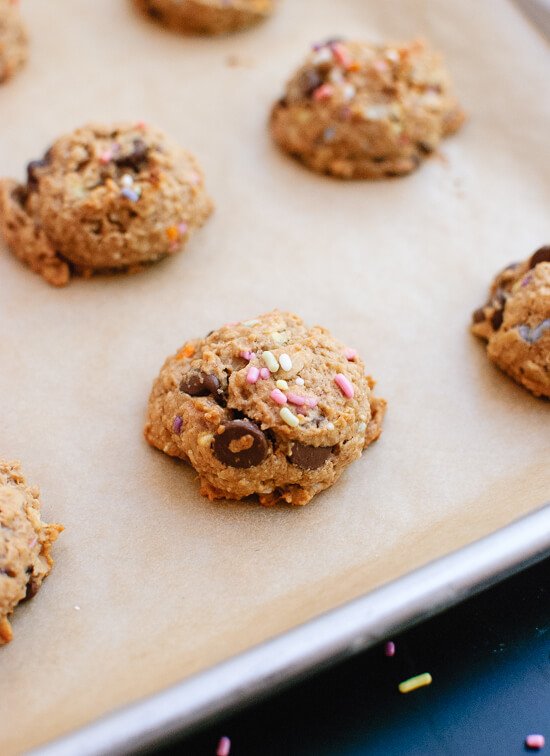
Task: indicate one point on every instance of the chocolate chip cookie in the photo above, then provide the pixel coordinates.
(207, 16)
(360, 111)
(25, 543)
(103, 199)
(267, 406)
(515, 322)
(13, 39)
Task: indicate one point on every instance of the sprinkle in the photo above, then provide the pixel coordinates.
(361, 428)
(33, 542)
(329, 134)
(271, 361)
(264, 373)
(341, 55)
(278, 396)
(285, 362)
(288, 417)
(187, 350)
(299, 401)
(130, 194)
(77, 607)
(253, 374)
(527, 280)
(311, 401)
(246, 354)
(330, 426)
(299, 381)
(389, 648)
(250, 323)
(407, 686)
(106, 157)
(350, 354)
(177, 424)
(172, 233)
(324, 92)
(283, 385)
(205, 439)
(345, 386)
(278, 338)
(224, 747)
(380, 65)
(535, 742)
(348, 92)
(182, 228)
(127, 180)
(141, 125)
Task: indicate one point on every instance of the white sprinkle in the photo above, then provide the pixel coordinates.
(77, 608)
(362, 427)
(278, 338)
(250, 323)
(270, 361)
(377, 112)
(285, 362)
(324, 55)
(127, 180)
(299, 381)
(348, 92)
(288, 417)
(283, 385)
(330, 426)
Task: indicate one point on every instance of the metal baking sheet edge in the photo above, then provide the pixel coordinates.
(318, 643)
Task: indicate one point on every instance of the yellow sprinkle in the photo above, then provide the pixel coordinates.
(283, 385)
(407, 686)
(205, 439)
(270, 361)
(288, 417)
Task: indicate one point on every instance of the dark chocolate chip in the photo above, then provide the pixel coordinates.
(425, 147)
(199, 384)
(541, 255)
(32, 180)
(242, 444)
(496, 320)
(478, 316)
(134, 159)
(309, 457)
(309, 81)
(154, 13)
(32, 589)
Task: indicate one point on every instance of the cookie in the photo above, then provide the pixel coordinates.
(267, 406)
(515, 322)
(103, 199)
(360, 111)
(13, 39)
(25, 543)
(207, 16)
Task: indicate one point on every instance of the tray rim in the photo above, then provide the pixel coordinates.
(313, 645)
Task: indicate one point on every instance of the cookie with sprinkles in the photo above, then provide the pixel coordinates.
(13, 39)
(207, 16)
(25, 543)
(361, 111)
(104, 199)
(267, 406)
(515, 322)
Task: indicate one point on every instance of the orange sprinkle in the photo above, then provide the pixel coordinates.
(172, 233)
(354, 66)
(187, 350)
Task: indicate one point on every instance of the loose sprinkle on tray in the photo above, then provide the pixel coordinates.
(224, 747)
(413, 683)
(534, 742)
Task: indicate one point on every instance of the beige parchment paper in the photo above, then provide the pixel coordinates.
(152, 583)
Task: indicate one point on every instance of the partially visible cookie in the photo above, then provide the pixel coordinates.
(267, 406)
(515, 322)
(103, 198)
(25, 543)
(361, 111)
(13, 39)
(207, 16)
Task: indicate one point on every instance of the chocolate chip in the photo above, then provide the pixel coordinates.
(32, 180)
(134, 159)
(199, 384)
(309, 81)
(496, 320)
(541, 255)
(309, 457)
(425, 147)
(479, 315)
(242, 444)
(32, 589)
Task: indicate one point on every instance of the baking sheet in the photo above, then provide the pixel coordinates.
(153, 583)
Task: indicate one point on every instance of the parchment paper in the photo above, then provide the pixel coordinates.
(152, 582)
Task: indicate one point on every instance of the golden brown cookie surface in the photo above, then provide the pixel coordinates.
(515, 322)
(104, 198)
(267, 407)
(207, 16)
(25, 543)
(355, 110)
(13, 39)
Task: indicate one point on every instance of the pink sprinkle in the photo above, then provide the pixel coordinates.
(141, 125)
(345, 386)
(33, 543)
(253, 374)
(224, 747)
(278, 396)
(341, 55)
(105, 157)
(324, 92)
(182, 228)
(380, 65)
(246, 354)
(194, 179)
(264, 373)
(311, 401)
(389, 648)
(535, 742)
(299, 401)
(350, 354)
